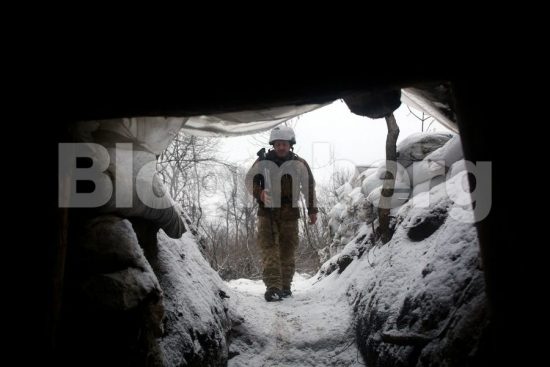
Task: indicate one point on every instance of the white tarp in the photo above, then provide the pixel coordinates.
(244, 122)
(153, 134)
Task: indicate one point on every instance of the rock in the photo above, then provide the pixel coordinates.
(107, 244)
(343, 262)
(113, 301)
(122, 290)
(424, 227)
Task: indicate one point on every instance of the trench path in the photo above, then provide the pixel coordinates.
(311, 328)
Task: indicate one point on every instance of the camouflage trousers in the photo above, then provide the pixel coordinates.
(278, 249)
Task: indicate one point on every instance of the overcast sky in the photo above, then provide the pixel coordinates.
(331, 134)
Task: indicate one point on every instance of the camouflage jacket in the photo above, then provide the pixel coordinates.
(294, 175)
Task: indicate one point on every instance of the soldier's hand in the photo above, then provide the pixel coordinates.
(265, 198)
(312, 218)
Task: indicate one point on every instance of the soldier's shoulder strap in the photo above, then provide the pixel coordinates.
(298, 158)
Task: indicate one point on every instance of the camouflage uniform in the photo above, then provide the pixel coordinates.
(278, 230)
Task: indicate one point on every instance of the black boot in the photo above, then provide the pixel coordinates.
(273, 294)
(286, 292)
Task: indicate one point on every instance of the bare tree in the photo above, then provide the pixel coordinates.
(185, 168)
(424, 118)
(232, 241)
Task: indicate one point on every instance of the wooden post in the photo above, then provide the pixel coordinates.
(389, 183)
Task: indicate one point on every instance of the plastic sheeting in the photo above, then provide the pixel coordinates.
(245, 122)
(152, 134)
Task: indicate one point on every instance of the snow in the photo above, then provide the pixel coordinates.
(196, 313)
(357, 202)
(397, 199)
(416, 147)
(311, 328)
(448, 153)
(337, 211)
(456, 168)
(427, 185)
(343, 190)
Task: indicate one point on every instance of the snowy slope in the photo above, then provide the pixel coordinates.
(421, 296)
(196, 309)
(418, 299)
(137, 297)
(311, 328)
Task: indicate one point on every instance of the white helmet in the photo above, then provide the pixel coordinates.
(282, 133)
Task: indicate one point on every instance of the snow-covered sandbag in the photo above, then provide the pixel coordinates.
(333, 225)
(456, 168)
(377, 179)
(355, 198)
(436, 163)
(357, 181)
(427, 185)
(417, 146)
(370, 183)
(398, 198)
(336, 211)
(449, 153)
(425, 170)
(343, 190)
(344, 214)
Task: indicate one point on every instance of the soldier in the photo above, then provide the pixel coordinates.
(276, 180)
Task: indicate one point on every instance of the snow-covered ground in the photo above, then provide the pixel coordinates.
(311, 328)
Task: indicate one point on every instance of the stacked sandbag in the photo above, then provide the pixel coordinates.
(424, 160)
